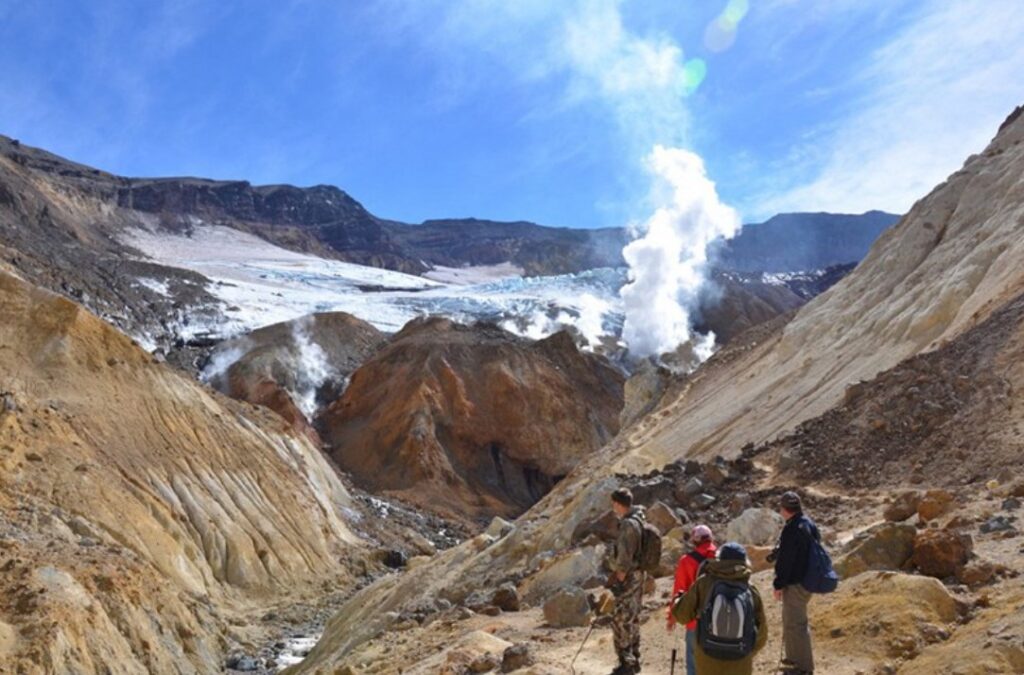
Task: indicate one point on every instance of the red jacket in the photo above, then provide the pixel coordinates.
(686, 574)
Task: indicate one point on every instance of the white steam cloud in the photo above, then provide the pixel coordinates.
(667, 263)
(312, 369)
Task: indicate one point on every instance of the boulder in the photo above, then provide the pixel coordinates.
(996, 524)
(703, 501)
(506, 598)
(903, 506)
(757, 527)
(887, 546)
(663, 517)
(977, 573)
(716, 474)
(672, 549)
(499, 527)
(935, 503)
(516, 657)
(740, 502)
(604, 527)
(568, 571)
(863, 636)
(941, 553)
(758, 557)
(567, 608)
(692, 487)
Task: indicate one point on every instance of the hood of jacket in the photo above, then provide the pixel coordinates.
(729, 570)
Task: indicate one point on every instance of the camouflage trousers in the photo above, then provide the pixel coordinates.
(629, 598)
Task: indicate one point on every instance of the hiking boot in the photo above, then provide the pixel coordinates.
(623, 669)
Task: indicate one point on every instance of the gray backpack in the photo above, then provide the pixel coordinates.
(726, 628)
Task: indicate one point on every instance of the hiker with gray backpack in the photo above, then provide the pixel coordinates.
(802, 568)
(731, 624)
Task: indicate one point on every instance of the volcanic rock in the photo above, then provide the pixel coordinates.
(506, 598)
(567, 608)
(472, 420)
(757, 527)
(887, 546)
(662, 517)
(516, 657)
(571, 570)
(941, 553)
(935, 503)
(903, 506)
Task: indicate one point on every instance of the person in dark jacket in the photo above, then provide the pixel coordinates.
(731, 565)
(791, 556)
(627, 582)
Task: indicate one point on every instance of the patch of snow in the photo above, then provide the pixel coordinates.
(471, 275)
(257, 284)
(155, 285)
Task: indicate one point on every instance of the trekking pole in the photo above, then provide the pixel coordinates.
(572, 665)
(602, 610)
(675, 651)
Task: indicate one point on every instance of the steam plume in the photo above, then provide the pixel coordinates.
(667, 262)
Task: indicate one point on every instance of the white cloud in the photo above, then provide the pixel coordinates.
(935, 93)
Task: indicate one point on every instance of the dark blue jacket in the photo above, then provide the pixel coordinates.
(793, 551)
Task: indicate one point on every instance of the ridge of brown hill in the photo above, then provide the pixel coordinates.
(295, 367)
(144, 520)
(949, 264)
(472, 420)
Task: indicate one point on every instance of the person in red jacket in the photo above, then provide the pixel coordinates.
(686, 573)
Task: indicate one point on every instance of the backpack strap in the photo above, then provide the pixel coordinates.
(698, 556)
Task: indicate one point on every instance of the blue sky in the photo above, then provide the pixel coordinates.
(541, 110)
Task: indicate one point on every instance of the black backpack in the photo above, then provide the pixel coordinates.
(726, 627)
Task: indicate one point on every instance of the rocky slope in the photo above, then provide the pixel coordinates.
(143, 519)
(940, 284)
(473, 421)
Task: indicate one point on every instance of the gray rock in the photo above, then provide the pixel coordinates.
(499, 527)
(516, 657)
(757, 527)
(568, 608)
(703, 500)
(568, 571)
(663, 517)
(506, 598)
(242, 663)
(996, 524)
(1011, 504)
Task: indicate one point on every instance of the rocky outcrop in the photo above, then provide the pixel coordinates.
(294, 367)
(142, 513)
(472, 420)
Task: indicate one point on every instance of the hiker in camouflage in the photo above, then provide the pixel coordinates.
(627, 582)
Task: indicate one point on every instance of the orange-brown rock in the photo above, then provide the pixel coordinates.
(941, 553)
(472, 420)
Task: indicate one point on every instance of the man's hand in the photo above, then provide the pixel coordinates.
(777, 594)
(670, 625)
